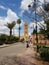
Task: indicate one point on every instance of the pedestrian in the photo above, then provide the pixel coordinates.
(27, 45)
(31, 41)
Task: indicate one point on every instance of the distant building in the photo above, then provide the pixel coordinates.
(40, 39)
(26, 31)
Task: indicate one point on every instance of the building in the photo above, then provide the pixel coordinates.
(26, 31)
(40, 39)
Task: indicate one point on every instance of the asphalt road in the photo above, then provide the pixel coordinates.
(12, 50)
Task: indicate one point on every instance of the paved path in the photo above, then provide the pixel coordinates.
(12, 50)
(20, 55)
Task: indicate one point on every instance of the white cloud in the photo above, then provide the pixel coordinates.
(33, 25)
(42, 1)
(24, 5)
(2, 7)
(22, 11)
(11, 16)
(15, 32)
(17, 25)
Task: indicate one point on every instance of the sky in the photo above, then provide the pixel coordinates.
(11, 10)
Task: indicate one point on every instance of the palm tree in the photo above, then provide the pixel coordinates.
(19, 22)
(10, 26)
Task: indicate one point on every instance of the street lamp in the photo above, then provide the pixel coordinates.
(34, 6)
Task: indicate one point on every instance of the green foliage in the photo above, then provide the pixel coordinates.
(44, 54)
(47, 31)
(10, 26)
(44, 32)
(12, 39)
(40, 45)
(19, 21)
(46, 7)
(22, 40)
(3, 38)
(7, 39)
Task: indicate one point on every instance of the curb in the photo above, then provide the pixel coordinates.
(8, 45)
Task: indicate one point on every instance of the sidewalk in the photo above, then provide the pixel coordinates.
(4, 45)
(31, 58)
(7, 45)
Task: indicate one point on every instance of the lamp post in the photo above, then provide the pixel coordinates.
(36, 26)
(35, 6)
(44, 27)
(42, 14)
(32, 27)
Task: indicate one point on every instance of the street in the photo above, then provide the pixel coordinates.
(19, 55)
(12, 50)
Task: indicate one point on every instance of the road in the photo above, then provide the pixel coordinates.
(28, 56)
(12, 50)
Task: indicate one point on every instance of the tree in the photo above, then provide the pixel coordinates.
(34, 32)
(46, 7)
(45, 32)
(41, 31)
(47, 28)
(19, 22)
(10, 26)
(46, 20)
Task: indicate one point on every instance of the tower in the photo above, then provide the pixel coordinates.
(26, 31)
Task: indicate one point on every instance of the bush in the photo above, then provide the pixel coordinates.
(12, 39)
(3, 38)
(44, 54)
(22, 40)
(7, 39)
(1, 43)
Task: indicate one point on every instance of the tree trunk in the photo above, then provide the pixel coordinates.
(19, 31)
(10, 32)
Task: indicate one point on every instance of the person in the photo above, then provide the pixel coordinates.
(27, 45)
(31, 40)
(37, 48)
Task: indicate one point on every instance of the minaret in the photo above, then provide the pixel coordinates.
(26, 31)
